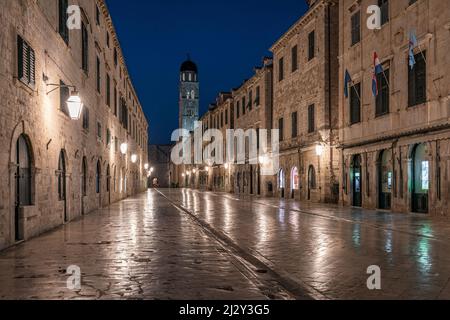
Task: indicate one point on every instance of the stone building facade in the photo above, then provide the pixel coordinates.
(56, 169)
(253, 110)
(395, 147)
(306, 106)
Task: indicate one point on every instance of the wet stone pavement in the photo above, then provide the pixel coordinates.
(188, 244)
(141, 248)
(328, 248)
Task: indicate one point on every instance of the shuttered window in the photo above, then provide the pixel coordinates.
(417, 81)
(63, 17)
(311, 119)
(311, 45)
(356, 28)
(355, 104)
(294, 118)
(281, 128)
(84, 48)
(26, 63)
(382, 100)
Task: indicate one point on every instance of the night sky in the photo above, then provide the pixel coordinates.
(225, 38)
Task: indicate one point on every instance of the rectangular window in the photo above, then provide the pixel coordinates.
(97, 15)
(26, 63)
(281, 69)
(356, 28)
(281, 128)
(108, 90)
(226, 116)
(107, 39)
(258, 96)
(294, 122)
(243, 106)
(382, 100)
(84, 48)
(384, 6)
(63, 17)
(98, 75)
(99, 130)
(311, 45)
(417, 81)
(311, 119)
(250, 100)
(294, 56)
(115, 101)
(355, 104)
(238, 110)
(85, 118)
(108, 137)
(115, 57)
(64, 94)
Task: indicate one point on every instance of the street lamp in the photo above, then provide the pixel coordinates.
(134, 158)
(146, 166)
(75, 106)
(74, 103)
(124, 148)
(319, 150)
(152, 169)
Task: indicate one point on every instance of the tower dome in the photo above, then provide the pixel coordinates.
(188, 66)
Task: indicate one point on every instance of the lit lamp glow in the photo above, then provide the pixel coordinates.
(134, 158)
(146, 166)
(124, 148)
(194, 171)
(319, 150)
(75, 106)
(207, 169)
(152, 169)
(226, 166)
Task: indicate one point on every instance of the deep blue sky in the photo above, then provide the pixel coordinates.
(225, 38)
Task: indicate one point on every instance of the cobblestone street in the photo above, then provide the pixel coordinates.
(203, 245)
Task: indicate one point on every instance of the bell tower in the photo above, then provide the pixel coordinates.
(189, 95)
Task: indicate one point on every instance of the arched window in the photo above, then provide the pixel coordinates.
(295, 179)
(98, 177)
(23, 172)
(108, 179)
(62, 177)
(84, 177)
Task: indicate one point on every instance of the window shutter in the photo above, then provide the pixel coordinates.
(32, 67)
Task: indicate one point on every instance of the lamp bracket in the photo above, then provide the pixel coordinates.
(58, 86)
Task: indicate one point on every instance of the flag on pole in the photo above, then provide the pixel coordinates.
(347, 80)
(377, 64)
(374, 85)
(412, 45)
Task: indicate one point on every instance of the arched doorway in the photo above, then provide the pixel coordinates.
(281, 183)
(385, 180)
(23, 182)
(251, 179)
(420, 179)
(98, 182)
(295, 182)
(357, 181)
(62, 183)
(108, 183)
(84, 179)
(312, 182)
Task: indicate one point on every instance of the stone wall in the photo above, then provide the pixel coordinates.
(35, 114)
